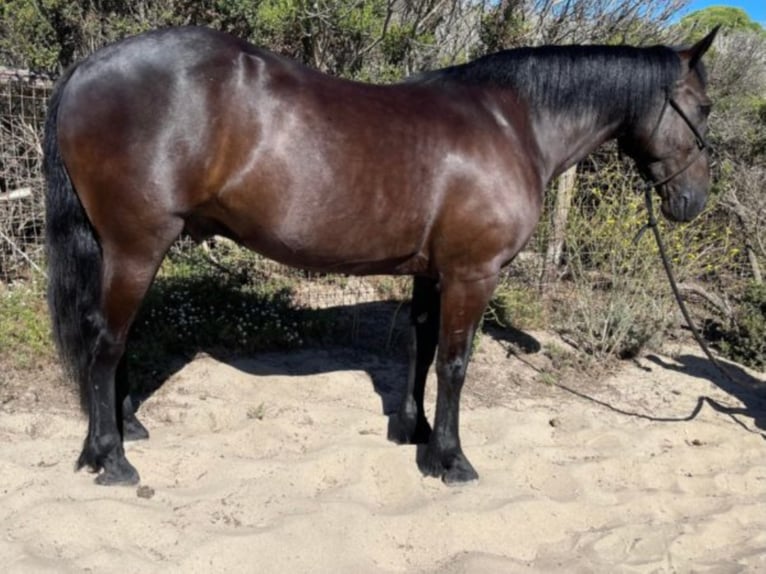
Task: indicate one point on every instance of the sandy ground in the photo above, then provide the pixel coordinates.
(280, 463)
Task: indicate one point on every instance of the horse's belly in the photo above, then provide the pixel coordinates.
(364, 255)
(331, 227)
(326, 258)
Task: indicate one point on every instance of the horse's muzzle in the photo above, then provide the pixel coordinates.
(683, 206)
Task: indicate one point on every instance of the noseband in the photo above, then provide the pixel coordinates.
(702, 143)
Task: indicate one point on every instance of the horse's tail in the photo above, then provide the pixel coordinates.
(74, 259)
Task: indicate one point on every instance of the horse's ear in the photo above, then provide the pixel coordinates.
(693, 55)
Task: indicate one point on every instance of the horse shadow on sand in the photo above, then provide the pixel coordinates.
(370, 337)
(373, 337)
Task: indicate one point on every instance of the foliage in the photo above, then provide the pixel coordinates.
(356, 38)
(700, 22)
(745, 341)
(615, 305)
(371, 39)
(617, 300)
(25, 337)
(48, 35)
(517, 305)
(330, 35)
(223, 307)
(195, 304)
(512, 23)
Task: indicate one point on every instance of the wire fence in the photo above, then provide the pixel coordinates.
(23, 97)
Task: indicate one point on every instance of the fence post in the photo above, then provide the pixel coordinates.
(563, 203)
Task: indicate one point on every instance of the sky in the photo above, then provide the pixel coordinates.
(756, 9)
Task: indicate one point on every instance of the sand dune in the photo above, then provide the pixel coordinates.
(280, 464)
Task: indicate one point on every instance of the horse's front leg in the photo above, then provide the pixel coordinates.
(462, 306)
(409, 425)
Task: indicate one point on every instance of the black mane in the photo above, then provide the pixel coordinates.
(610, 80)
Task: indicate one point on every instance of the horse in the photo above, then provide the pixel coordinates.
(440, 177)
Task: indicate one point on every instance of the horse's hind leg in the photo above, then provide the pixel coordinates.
(126, 278)
(462, 306)
(409, 425)
(132, 429)
(103, 450)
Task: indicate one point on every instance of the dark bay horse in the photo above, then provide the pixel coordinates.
(440, 177)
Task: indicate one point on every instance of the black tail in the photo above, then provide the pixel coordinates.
(74, 260)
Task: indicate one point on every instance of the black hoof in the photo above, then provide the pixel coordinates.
(118, 473)
(452, 467)
(132, 429)
(408, 431)
(107, 457)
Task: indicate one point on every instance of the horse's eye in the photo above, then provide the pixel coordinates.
(705, 109)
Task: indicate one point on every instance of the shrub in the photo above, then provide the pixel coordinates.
(616, 301)
(745, 341)
(24, 327)
(516, 305)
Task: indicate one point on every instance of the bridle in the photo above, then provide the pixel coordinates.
(702, 146)
(702, 143)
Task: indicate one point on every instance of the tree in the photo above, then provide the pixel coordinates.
(699, 23)
(511, 23)
(48, 35)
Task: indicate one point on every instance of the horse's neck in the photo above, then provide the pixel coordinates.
(564, 141)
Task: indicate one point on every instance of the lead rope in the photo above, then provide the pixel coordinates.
(652, 224)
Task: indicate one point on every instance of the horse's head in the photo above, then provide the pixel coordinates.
(669, 144)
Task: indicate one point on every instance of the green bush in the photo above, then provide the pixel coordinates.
(616, 302)
(615, 299)
(745, 341)
(516, 305)
(25, 333)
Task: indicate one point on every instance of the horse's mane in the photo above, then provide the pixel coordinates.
(609, 80)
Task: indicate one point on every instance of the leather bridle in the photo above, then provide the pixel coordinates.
(702, 144)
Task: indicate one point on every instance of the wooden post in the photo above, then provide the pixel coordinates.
(555, 250)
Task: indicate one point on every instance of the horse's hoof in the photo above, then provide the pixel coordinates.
(403, 431)
(453, 468)
(132, 429)
(461, 472)
(107, 457)
(118, 473)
